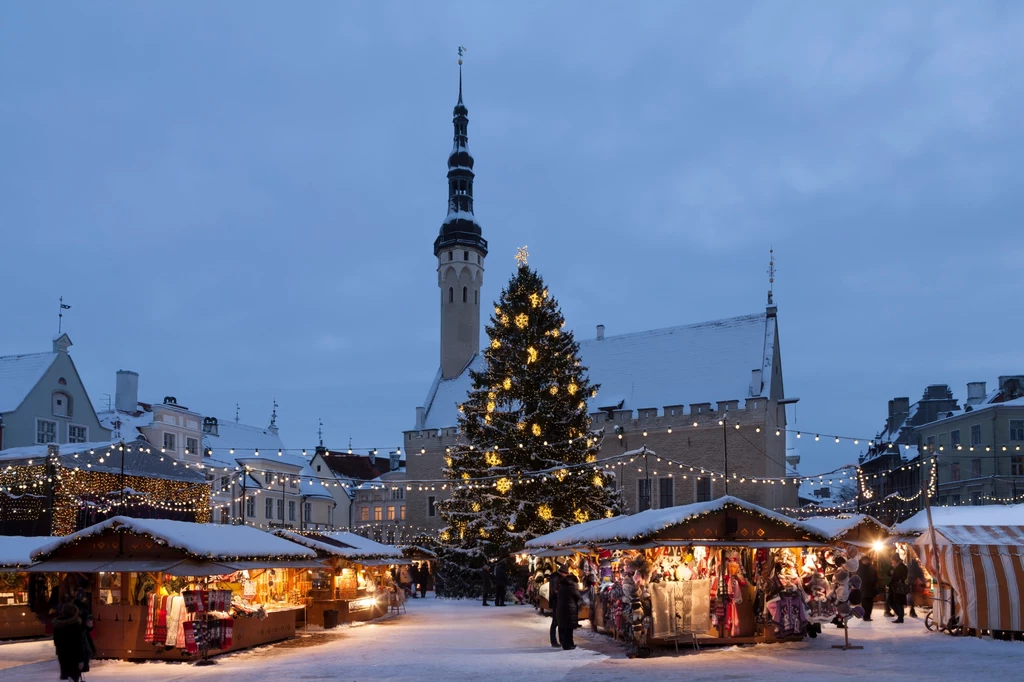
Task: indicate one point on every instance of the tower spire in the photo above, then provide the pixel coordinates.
(771, 275)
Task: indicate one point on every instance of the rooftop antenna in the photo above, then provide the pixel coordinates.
(273, 415)
(60, 315)
(771, 274)
(108, 401)
(236, 413)
(320, 432)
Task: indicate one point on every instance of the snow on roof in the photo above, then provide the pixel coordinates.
(704, 362)
(209, 540)
(989, 515)
(106, 457)
(1002, 535)
(342, 544)
(131, 424)
(980, 407)
(835, 527)
(637, 526)
(16, 550)
(19, 374)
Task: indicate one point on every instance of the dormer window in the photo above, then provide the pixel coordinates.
(61, 404)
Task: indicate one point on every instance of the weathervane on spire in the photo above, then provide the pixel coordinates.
(320, 432)
(521, 255)
(462, 51)
(60, 315)
(273, 415)
(771, 274)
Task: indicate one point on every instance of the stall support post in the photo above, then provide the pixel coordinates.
(847, 646)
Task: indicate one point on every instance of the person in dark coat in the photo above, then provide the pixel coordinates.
(898, 587)
(486, 570)
(868, 584)
(500, 582)
(554, 585)
(568, 609)
(915, 584)
(69, 640)
(424, 578)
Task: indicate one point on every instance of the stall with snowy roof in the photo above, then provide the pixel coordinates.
(355, 580)
(699, 573)
(24, 596)
(174, 590)
(974, 557)
(860, 530)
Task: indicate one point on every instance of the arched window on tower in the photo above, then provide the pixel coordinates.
(476, 297)
(451, 294)
(465, 294)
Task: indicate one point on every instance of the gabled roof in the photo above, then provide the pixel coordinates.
(696, 363)
(341, 544)
(987, 515)
(19, 374)
(16, 551)
(355, 467)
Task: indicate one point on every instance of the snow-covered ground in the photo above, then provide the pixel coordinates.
(452, 640)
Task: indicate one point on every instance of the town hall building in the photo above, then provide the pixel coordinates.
(705, 400)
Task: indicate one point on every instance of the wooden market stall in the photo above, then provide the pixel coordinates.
(697, 573)
(175, 590)
(24, 596)
(354, 582)
(860, 530)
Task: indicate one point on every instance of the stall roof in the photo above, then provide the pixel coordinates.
(990, 515)
(341, 544)
(636, 527)
(16, 550)
(838, 526)
(219, 542)
(992, 536)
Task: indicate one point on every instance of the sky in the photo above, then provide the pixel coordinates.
(239, 200)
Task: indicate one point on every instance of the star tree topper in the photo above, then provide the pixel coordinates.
(521, 255)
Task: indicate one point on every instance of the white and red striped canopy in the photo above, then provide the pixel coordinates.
(985, 567)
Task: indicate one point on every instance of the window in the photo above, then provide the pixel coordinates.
(268, 508)
(293, 483)
(451, 295)
(465, 255)
(431, 506)
(465, 294)
(223, 482)
(291, 510)
(169, 441)
(643, 494)
(1016, 429)
(192, 445)
(975, 468)
(318, 467)
(250, 506)
(307, 511)
(703, 489)
(280, 510)
(476, 296)
(1017, 466)
(364, 514)
(666, 493)
(479, 259)
(391, 513)
(954, 471)
(401, 512)
(954, 499)
(61, 405)
(378, 513)
(391, 537)
(398, 493)
(954, 437)
(225, 516)
(78, 434)
(976, 434)
(46, 431)
(451, 256)
(930, 442)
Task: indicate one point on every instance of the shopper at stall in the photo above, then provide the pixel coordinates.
(424, 578)
(915, 582)
(70, 642)
(554, 582)
(406, 581)
(567, 610)
(869, 584)
(898, 587)
(486, 571)
(500, 582)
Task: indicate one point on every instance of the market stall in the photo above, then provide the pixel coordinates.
(354, 581)
(425, 562)
(24, 596)
(175, 590)
(719, 572)
(859, 530)
(975, 557)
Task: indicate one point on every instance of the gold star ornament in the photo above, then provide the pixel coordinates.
(522, 255)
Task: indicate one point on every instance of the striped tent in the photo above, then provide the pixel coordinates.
(985, 567)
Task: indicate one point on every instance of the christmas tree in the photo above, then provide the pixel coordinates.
(526, 465)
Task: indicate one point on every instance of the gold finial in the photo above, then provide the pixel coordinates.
(462, 51)
(771, 273)
(521, 255)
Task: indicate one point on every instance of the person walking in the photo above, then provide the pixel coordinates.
(424, 578)
(868, 584)
(69, 639)
(500, 582)
(554, 584)
(486, 570)
(898, 587)
(568, 609)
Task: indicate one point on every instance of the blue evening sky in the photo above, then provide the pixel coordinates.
(239, 199)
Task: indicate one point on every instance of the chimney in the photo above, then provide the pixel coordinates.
(211, 426)
(421, 417)
(61, 343)
(976, 390)
(600, 332)
(126, 395)
(395, 461)
(755, 382)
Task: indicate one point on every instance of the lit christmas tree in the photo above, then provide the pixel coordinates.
(527, 463)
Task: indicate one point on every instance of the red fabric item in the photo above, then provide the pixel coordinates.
(229, 626)
(190, 638)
